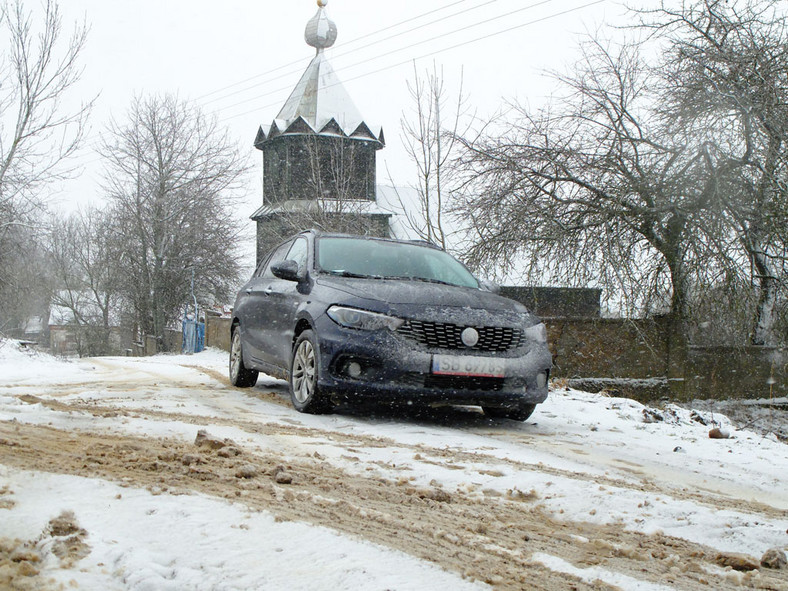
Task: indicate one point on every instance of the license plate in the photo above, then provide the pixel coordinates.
(458, 365)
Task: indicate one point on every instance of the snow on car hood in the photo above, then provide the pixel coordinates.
(403, 297)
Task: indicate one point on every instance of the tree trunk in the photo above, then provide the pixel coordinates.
(767, 297)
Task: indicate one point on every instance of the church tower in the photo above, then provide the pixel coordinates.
(318, 155)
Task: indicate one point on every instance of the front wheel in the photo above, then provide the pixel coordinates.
(240, 377)
(304, 371)
(515, 413)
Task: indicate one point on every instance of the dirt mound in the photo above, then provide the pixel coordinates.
(24, 564)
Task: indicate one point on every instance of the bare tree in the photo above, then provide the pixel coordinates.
(430, 136)
(84, 262)
(594, 191)
(171, 176)
(38, 68)
(728, 87)
(26, 283)
(662, 179)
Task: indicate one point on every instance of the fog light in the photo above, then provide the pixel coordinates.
(541, 380)
(353, 369)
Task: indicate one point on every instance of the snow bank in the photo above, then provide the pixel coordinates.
(23, 365)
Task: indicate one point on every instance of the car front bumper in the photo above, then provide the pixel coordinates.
(385, 366)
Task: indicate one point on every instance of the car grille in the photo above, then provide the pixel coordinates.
(437, 335)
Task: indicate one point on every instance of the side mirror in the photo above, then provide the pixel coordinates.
(287, 270)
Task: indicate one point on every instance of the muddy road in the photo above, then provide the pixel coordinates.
(487, 499)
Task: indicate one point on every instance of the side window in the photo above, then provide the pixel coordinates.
(277, 257)
(298, 253)
(261, 267)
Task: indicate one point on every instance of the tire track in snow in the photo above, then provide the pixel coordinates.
(428, 454)
(487, 539)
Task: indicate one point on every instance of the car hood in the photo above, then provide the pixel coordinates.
(408, 298)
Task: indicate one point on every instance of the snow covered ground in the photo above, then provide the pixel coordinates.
(105, 484)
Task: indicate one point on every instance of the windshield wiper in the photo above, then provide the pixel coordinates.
(342, 273)
(427, 280)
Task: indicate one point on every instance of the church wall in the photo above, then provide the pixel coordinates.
(310, 167)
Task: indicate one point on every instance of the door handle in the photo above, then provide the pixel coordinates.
(268, 291)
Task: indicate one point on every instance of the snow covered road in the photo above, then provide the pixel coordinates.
(591, 492)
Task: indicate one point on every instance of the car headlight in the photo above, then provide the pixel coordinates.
(537, 332)
(362, 319)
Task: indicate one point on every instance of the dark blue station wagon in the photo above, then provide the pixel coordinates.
(347, 317)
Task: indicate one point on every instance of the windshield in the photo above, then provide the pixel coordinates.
(363, 257)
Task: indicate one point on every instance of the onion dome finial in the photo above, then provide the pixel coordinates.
(321, 32)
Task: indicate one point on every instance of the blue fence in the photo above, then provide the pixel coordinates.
(193, 336)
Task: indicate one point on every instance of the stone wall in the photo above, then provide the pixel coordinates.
(610, 348)
(569, 302)
(726, 372)
(639, 359)
(217, 332)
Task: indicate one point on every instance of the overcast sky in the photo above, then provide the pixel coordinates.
(240, 59)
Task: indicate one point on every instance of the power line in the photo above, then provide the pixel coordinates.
(461, 29)
(429, 54)
(409, 47)
(198, 102)
(400, 63)
(368, 45)
(345, 44)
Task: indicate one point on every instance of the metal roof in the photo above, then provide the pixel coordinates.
(320, 97)
(319, 103)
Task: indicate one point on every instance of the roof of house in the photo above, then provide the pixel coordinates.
(66, 305)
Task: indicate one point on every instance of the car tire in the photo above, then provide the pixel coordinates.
(240, 376)
(304, 372)
(517, 413)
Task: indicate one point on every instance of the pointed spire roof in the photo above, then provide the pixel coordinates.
(319, 97)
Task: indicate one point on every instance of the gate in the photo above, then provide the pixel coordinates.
(193, 336)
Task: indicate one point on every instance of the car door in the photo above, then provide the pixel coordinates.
(284, 298)
(257, 315)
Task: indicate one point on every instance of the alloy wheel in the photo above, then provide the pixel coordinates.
(235, 355)
(304, 371)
